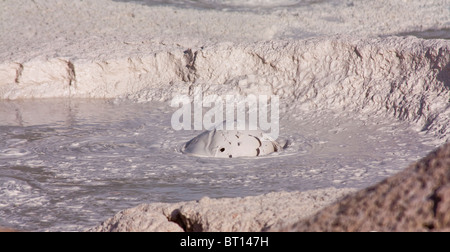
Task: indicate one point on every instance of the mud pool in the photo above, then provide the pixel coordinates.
(66, 164)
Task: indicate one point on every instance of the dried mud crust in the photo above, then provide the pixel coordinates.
(255, 213)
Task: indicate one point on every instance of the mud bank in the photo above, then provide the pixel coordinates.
(334, 56)
(105, 49)
(407, 78)
(253, 214)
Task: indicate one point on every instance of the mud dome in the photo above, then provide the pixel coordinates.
(231, 143)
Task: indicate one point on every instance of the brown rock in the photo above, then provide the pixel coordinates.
(416, 199)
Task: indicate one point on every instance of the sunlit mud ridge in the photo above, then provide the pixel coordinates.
(408, 78)
(251, 214)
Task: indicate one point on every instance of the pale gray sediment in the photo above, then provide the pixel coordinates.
(326, 56)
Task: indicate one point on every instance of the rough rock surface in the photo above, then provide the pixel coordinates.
(256, 213)
(417, 199)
